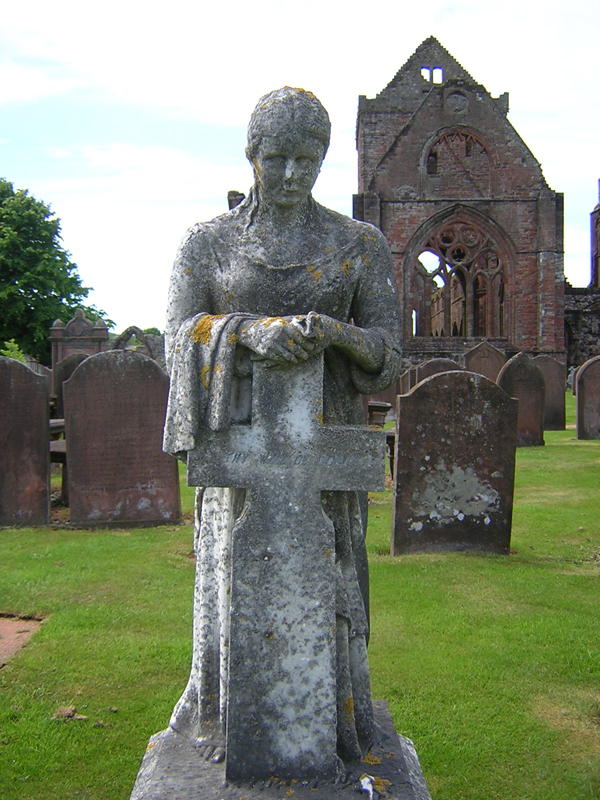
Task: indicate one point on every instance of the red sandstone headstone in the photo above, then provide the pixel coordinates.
(455, 460)
(485, 359)
(61, 373)
(588, 400)
(434, 366)
(24, 442)
(115, 405)
(522, 379)
(555, 378)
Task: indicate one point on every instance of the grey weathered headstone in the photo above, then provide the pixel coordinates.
(485, 359)
(588, 399)
(115, 405)
(522, 379)
(554, 396)
(282, 716)
(434, 366)
(24, 438)
(454, 478)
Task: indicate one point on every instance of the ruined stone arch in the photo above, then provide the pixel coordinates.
(457, 162)
(457, 277)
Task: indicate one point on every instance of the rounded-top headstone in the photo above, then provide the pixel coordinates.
(24, 433)
(588, 399)
(521, 378)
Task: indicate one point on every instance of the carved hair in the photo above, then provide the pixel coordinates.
(295, 107)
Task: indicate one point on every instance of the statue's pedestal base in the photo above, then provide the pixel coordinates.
(173, 770)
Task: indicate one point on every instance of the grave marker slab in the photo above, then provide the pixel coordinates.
(485, 359)
(522, 379)
(282, 717)
(24, 441)
(455, 453)
(434, 366)
(115, 405)
(554, 397)
(588, 399)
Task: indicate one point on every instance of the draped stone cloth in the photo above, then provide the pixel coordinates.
(217, 287)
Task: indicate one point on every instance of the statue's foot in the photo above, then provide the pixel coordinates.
(210, 752)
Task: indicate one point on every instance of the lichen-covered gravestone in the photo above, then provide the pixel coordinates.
(115, 405)
(24, 442)
(555, 375)
(588, 399)
(455, 460)
(521, 378)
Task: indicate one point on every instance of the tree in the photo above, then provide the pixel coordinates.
(38, 281)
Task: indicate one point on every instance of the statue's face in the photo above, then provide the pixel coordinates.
(286, 167)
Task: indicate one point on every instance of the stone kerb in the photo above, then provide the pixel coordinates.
(24, 433)
(555, 375)
(434, 366)
(485, 359)
(588, 399)
(115, 405)
(521, 378)
(455, 452)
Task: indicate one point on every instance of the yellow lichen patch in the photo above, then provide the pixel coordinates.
(315, 271)
(368, 238)
(256, 166)
(320, 417)
(348, 704)
(229, 297)
(267, 321)
(338, 326)
(205, 376)
(187, 271)
(328, 552)
(346, 267)
(217, 368)
(371, 759)
(327, 249)
(201, 332)
(366, 261)
(290, 793)
(291, 342)
(233, 338)
(381, 784)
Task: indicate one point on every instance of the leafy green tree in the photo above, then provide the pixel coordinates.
(12, 350)
(38, 281)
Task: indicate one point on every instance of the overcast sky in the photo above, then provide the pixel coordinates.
(129, 117)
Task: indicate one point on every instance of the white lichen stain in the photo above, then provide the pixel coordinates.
(453, 493)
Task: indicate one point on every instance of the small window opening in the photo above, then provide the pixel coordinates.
(432, 163)
(438, 75)
(414, 322)
(430, 261)
(426, 73)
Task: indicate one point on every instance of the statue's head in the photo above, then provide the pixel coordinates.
(285, 110)
(288, 137)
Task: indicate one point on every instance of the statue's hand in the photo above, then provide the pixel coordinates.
(277, 340)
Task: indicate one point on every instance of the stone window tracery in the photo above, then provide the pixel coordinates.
(459, 280)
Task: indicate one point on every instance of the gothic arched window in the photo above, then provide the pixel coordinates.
(460, 277)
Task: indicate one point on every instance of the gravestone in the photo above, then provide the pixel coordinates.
(434, 366)
(485, 359)
(455, 455)
(522, 379)
(61, 373)
(79, 335)
(115, 405)
(554, 396)
(588, 399)
(282, 716)
(24, 438)
(407, 380)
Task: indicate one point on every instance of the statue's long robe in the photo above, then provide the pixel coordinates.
(218, 286)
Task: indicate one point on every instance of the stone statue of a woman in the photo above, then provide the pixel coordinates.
(279, 279)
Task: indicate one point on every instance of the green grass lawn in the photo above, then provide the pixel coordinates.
(490, 664)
